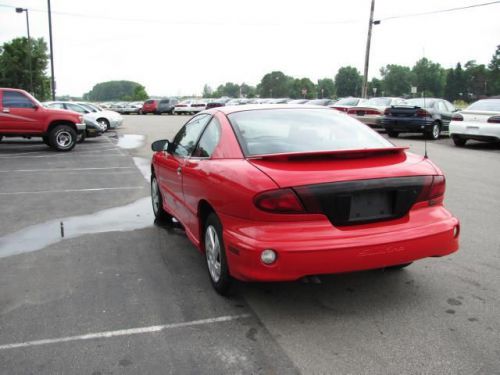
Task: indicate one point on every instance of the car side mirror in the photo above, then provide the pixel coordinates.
(161, 145)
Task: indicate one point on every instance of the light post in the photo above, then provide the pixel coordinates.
(364, 93)
(53, 80)
(20, 10)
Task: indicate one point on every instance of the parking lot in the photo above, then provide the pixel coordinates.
(89, 284)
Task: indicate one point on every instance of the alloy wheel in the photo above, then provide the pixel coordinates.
(213, 253)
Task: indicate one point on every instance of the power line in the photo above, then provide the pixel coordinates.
(205, 22)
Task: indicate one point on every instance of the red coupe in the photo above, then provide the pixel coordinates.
(275, 193)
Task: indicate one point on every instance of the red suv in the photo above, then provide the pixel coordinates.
(150, 106)
(21, 115)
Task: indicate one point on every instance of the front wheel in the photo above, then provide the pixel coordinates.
(63, 138)
(215, 255)
(157, 201)
(104, 124)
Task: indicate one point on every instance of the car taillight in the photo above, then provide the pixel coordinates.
(387, 112)
(351, 111)
(433, 190)
(457, 117)
(282, 201)
(494, 120)
(372, 112)
(422, 113)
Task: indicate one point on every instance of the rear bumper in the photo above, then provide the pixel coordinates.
(316, 247)
(473, 130)
(407, 125)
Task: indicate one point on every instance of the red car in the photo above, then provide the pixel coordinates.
(275, 193)
(150, 106)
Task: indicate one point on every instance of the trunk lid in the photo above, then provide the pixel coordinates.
(478, 116)
(352, 187)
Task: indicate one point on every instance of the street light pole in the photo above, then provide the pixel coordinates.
(20, 10)
(51, 54)
(364, 93)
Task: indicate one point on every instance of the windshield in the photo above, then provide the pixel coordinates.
(274, 131)
(87, 107)
(492, 105)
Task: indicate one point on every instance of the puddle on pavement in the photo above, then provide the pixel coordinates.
(136, 215)
(129, 141)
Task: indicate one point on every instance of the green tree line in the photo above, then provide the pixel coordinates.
(466, 83)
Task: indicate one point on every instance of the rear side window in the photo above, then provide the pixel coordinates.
(185, 140)
(14, 99)
(149, 102)
(166, 101)
(209, 140)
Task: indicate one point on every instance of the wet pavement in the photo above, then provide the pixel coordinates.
(122, 294)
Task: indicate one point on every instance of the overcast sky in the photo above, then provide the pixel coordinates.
(175, 47)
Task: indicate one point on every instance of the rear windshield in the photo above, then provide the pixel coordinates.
(492, 105)
(348, 101)
(273, 131)
(420, 102)
(149, 102)
(378, 102)
(165, 101)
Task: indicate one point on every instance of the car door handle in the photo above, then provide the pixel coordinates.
(6, 110)
(179, 171)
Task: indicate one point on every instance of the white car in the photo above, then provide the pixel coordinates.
(110, 119)
(372, 111)
(189, 107)
(479, 121)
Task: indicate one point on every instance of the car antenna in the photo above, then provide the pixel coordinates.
(423, 97)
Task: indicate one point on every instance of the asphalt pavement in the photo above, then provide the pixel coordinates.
(122, 294)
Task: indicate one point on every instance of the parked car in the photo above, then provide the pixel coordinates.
(166, 106)
(429, 116)
(279, 192)
(344, 104)
(21, 115)
(150, 106)
(93, 128)
(298, 101)
(130, 108)
(480, 121)
(371, 112)
(214, 103)
(189, 107)
(323, 102)
(109, 119)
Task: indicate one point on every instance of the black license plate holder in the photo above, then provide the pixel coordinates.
(372, 205)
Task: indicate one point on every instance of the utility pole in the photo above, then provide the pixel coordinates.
(364, 93)
(20, 10)
(51, 54)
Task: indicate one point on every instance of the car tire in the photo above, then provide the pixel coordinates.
(157, 201)
(459, 142)
(398, 267)
(215, 255)
(81, 137)
(104, 122)
(46, 140)
(434, 132)
(62, 138)
(392, 133)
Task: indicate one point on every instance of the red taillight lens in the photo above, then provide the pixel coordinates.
(372, 112)
(457, 117)
(279, 201)
(422, 113)
(433, 190)
(494, 120)
(351, 111)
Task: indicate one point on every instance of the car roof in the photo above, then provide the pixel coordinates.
(254, 107)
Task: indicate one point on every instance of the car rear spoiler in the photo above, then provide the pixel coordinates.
(336, 154)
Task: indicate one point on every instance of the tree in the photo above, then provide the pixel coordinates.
(14, 66)
(117, 90)
(397, 80)
(275, 85)
(476, 78)
(325, 88)
(207, 91)
(430, 77)
(300, 86)
(229, 89)
(348, 81)
(494, 73)
(247, 91)
(378, 85)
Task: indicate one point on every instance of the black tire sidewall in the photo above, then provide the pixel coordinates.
(223, 285)
(161, 214)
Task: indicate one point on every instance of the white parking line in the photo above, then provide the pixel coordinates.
(63, 169)
(74, 190)
(17, 156)
(124, 332)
